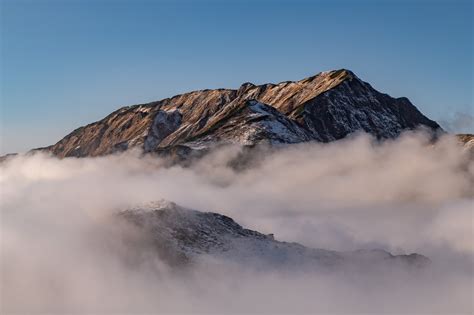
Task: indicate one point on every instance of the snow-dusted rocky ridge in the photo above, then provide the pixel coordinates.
(324, 107)
(182, 235)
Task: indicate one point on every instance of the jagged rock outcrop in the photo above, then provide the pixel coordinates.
(467, 140)
(324, 107)
(182, 235)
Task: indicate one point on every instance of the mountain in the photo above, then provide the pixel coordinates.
(182, 236)
(467, 140)
(325, 107)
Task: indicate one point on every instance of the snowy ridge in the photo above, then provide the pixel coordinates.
(187, 235)
(262, 123)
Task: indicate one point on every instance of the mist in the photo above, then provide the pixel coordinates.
(62, 253)
(459, 122)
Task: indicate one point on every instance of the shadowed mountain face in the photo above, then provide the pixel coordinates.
(182, 235)
(324, 107)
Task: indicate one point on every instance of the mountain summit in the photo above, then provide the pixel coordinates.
(325, 107)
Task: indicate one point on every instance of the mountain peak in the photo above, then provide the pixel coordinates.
(324, 107)
(336, 72)
(245, 87)
(338, 75)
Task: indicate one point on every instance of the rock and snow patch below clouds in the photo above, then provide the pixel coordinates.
(182, 236)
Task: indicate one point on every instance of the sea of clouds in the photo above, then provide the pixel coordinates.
(61, 252)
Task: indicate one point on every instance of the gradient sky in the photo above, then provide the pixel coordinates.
(68, 63)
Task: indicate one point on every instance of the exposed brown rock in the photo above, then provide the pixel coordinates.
(324, 107)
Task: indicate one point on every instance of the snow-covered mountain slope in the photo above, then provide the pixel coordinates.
(324, 107)
(182, 235)
(250, 123)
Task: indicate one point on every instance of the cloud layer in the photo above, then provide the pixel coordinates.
(61, 253)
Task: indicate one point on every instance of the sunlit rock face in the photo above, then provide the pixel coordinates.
(325, 107)
(467, 140)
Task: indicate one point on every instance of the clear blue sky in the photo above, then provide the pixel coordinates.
(68, 63)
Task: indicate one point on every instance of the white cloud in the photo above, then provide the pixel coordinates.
(60, 253)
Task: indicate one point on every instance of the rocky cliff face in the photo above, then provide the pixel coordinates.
(182, 235)
(467, 140)
(324, 107)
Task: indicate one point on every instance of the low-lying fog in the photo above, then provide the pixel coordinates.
(60, 254)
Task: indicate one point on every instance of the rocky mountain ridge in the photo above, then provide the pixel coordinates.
(324, 107)
(183, 236)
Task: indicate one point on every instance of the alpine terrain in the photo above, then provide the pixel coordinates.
(325, 107)
(182, 235)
